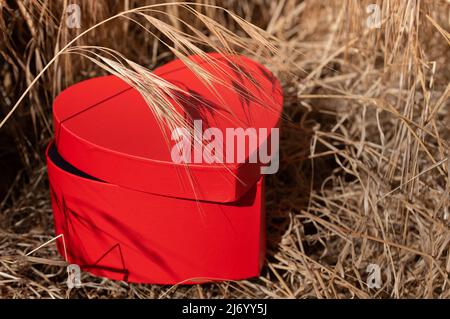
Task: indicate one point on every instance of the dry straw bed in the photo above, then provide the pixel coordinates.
(364, 173)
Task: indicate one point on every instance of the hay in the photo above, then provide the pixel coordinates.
(364, 173)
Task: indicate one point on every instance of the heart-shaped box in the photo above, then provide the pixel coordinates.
(128, 211)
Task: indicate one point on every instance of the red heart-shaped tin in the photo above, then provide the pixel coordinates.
(127, 211)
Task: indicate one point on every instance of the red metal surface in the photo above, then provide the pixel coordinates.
(106, 129)
(133, 236)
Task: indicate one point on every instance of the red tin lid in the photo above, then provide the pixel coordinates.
(104, 128)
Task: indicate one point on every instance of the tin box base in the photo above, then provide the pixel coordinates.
(122, 234)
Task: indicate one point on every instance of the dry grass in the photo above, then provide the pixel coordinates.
(364, 174)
